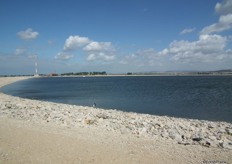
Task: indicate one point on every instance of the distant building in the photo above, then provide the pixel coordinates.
(53, 74)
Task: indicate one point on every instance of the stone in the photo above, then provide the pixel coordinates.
(101, 115)
(187, 135)
(196, 139)
(164, 134)
(158, 125)
(214, 143)
(88, 121)
(175, 135)
(124, 131)
(221, 130)
(212, 138)
(210, 126)
(100, 120)
(229, 138)
(192, 128)
(218, 136)
(183, 143)
(226, 144)
(8, 106)
(143, 130)
(229, 131)
(205, 143)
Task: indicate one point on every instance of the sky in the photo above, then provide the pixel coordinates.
(116, 36)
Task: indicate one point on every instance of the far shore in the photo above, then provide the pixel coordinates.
(141, 75)
(33, 131)
(209, 73)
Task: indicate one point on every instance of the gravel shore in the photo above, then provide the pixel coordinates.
(193, 140)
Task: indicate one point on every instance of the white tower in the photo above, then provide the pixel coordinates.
(36, 70)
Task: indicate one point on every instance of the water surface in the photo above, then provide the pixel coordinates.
(208, 98)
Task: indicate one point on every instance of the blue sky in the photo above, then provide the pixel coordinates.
(115, 35)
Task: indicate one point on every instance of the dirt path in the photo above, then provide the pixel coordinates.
(21, 142)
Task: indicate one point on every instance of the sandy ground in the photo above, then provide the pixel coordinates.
(23, 141)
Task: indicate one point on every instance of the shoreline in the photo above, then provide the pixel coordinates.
(144, 75)
(178, 74)
(215, 138)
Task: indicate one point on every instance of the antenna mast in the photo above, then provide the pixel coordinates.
(36, 70)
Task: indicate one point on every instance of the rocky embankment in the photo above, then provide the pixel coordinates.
(181, 131)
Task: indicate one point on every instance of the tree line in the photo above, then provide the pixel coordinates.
(83, 73)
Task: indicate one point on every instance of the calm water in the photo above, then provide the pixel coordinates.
(207, 98)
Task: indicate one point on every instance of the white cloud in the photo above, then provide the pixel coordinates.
(146, 52)
(224, 7)
(95, 51)
(209, 48)
(187, 30)
(100, 56)
(98, 46)
(146, 57)
(129, 59)
(91, 57)
(225, 20)
(224, 23)
(63, 56)
(28, 34)
(100, 51)
(75, 42)
(20, 51)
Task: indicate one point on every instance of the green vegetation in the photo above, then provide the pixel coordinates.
(83, 73)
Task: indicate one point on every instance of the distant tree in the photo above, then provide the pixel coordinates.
(84, 73)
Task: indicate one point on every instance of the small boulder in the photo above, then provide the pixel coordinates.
(125, 131)
(175, 136)
(184, 143)
(229, 131)
(164, 134)
(229, 138)
(102, 115)
(226, 144)
(210, 126)
(221, 130)
(88, 121)
(205, 143)
(197, 139)
(9, 106)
